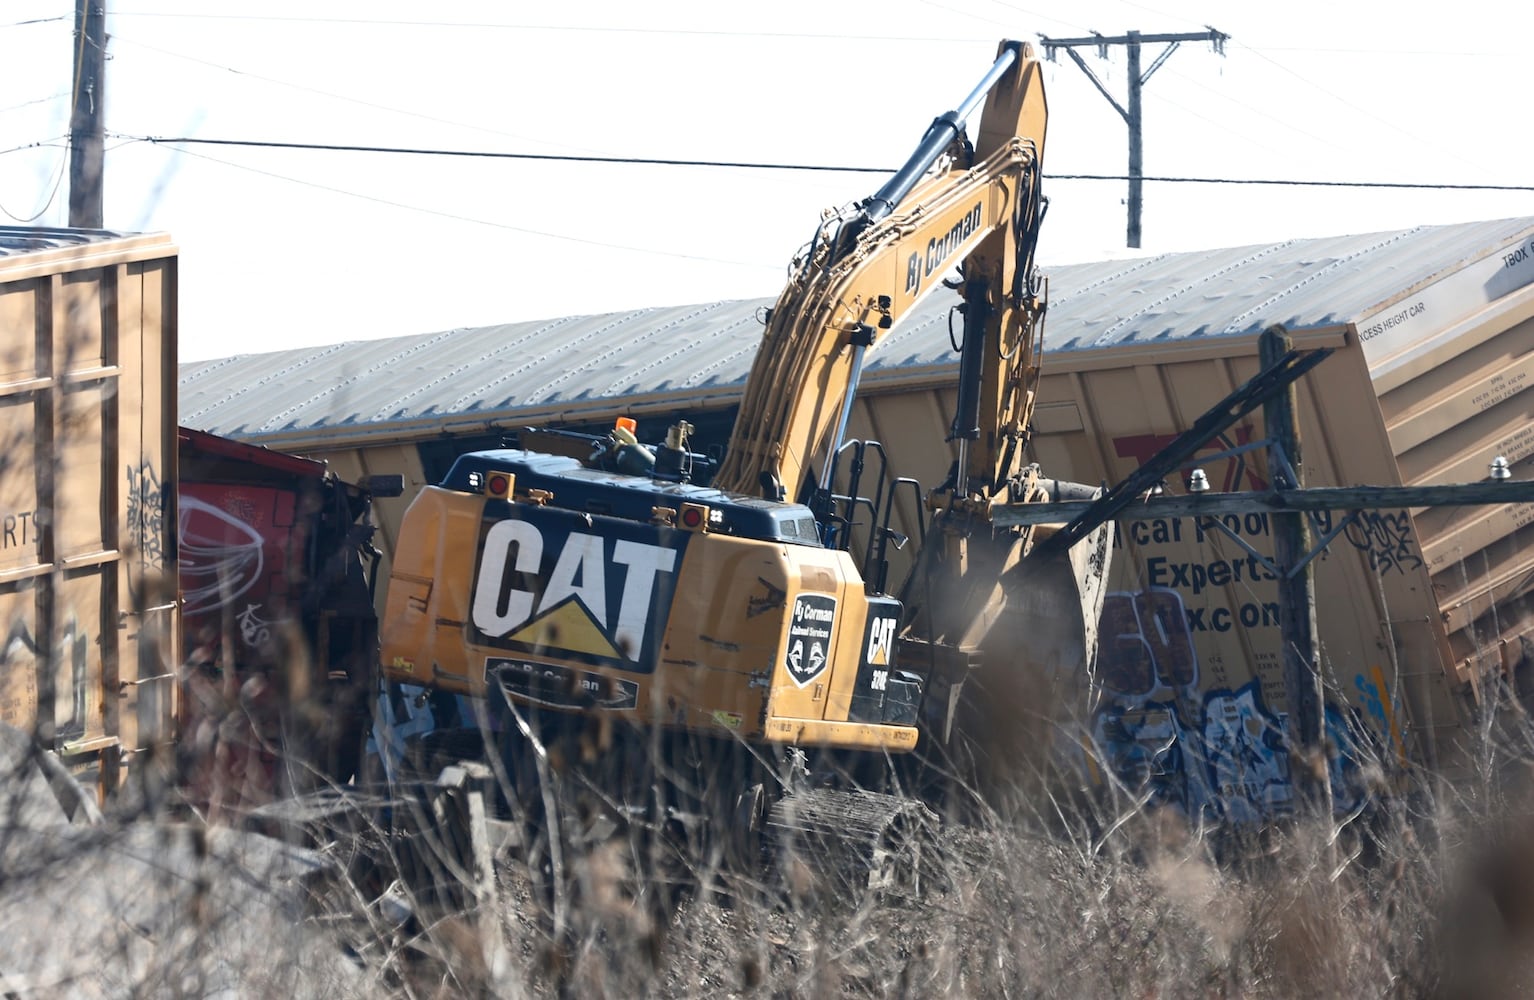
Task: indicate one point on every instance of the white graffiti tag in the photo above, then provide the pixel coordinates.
(254, 630)
(221, 555)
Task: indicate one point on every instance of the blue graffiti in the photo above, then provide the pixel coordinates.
(1245, 756)
(1354, 746)
(1225, 757)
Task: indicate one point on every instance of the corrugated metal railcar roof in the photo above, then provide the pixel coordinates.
(35, 251)
(29, 239)
(694, 355)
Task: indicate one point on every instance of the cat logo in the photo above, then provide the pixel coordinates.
(600, 599)
(881, 641)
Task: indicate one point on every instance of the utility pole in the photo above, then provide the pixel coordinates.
(1131, 114)
(1301, 656)
(87, 132)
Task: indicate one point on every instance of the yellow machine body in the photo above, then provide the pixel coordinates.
(747, 626)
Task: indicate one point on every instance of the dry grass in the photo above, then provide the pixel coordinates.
(1422, 896)
(1428, 894)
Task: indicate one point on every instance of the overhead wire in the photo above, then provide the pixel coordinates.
(961, 13)
(1426, 143)
(620, 29)
(497, 155)
(32, 145)
(1276, 182)
(334, 96)
(1246, 106)
(119, 38)
(58, 180)
(426, 117)
(594, 28)
(36, 20)
(36, 100)
(763, 165)
(595, 153)
(63, 165)
(470, 218)
(656, 161)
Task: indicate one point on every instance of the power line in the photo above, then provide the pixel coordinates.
(1260, 54)
(822, 168)
(1275, 182)
(37, 100)
(58, 179)
(494, 155)
(1037, 15)
(40, 144)
(1247, 108)
(610, 29)
(474, 219)
(334, 96)
(35, 20)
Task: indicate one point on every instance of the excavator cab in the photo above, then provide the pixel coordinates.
(551, 581)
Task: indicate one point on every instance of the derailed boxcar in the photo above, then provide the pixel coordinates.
(1424, 614)
(87, 473)
(277, 572)
(135, 623)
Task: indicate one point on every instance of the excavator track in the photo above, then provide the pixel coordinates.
(845, 841)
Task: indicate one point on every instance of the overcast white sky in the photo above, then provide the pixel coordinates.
(297, 248)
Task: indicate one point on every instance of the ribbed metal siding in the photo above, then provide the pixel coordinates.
(87, 403)
(697, 356)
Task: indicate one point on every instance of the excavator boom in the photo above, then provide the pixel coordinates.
(952, 204)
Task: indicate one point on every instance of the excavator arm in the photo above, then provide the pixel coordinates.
(951, 205)
(976, 598)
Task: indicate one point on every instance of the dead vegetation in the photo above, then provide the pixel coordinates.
(1429, 893)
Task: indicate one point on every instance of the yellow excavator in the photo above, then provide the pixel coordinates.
(680, 648)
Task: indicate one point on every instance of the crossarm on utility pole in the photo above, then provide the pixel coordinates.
(1130, 109)
(1314, 498)
(1076, 58)
(1250, 395)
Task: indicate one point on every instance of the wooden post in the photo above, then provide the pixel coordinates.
(1296, 591)
(1136, 154)
(87, 115)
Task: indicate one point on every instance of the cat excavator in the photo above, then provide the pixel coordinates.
(727, 653)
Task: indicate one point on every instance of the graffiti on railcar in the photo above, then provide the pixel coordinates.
(1385, 537)
(222, 556)
(69, 678)
(146, 513)
(1220, 753)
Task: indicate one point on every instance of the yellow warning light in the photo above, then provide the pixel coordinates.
(626, 424)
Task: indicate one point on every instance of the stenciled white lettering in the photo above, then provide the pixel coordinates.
(494, 564)
(581, 555)
(580, 571)
(645, 563)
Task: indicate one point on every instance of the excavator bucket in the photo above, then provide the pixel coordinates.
(1029, 624)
